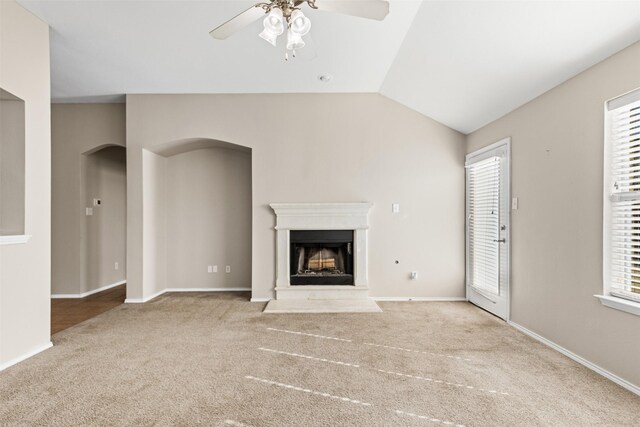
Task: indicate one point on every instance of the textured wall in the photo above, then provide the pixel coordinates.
(154, 260)
(76, 131)
(556, 248)
(209, 218)
(103, 240)
(25, 269)
(320, 148)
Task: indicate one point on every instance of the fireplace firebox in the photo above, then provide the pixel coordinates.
(321, 257)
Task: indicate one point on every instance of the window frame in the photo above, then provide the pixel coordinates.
(607, 299)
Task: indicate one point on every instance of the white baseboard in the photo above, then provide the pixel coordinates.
(435, 299)
(86, 294)
(584, 362)
(25, 356)
(208, 290)
(143, 300)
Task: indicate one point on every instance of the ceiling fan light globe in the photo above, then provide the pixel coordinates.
(294, 41)
(274, 22)
(300, 24)
(269, 36)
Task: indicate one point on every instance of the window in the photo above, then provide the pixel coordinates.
(622, 203)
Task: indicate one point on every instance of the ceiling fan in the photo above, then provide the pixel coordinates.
(287, 15)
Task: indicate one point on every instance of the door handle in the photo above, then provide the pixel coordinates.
(501, 241)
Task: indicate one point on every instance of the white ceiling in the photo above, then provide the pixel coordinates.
(101, 48)
(464, 63)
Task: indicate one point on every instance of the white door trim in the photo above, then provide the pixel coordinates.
(478, 155)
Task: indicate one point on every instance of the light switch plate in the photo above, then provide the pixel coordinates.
(88, 211)
(514, 204)
(395, 208)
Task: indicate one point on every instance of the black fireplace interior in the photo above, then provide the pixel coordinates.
(321, 257)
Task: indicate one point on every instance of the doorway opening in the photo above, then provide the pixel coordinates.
(101, 284)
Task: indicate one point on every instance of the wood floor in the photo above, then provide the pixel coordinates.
(67, 312)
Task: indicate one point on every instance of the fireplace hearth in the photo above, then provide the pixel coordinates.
(321, 257)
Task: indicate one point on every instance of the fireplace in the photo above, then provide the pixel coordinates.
(321, 257)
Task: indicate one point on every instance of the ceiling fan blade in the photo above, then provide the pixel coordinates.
(237, 23)
(370, 9)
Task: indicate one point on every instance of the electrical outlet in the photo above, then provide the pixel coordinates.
(209, 269)
(395, 208)
(116, 266)
(514, 204)
(228, 269)
(215, 268)
(414, 275)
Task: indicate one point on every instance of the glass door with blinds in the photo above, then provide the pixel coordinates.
(487, 229)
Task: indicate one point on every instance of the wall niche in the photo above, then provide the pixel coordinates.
(12, 167)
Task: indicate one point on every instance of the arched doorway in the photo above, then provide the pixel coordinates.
(101, 283)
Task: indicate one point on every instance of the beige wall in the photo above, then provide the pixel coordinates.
(25, 269)
(12, 129)
(320, 148)
(209, 218)
(556, 248)
(104, 174)
(77, 130)
(154, 261)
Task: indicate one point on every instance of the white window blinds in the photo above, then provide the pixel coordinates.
(483, 187)
(624, 197)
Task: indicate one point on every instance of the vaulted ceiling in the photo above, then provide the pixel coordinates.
(463, 63)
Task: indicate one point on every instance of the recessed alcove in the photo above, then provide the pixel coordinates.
(12, 168)
(197, 216)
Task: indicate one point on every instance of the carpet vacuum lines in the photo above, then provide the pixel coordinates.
(308, 335)
(399, 374)
(350, 400)
(306, 390)
(235, 423)
(302, 356)
(407, 350)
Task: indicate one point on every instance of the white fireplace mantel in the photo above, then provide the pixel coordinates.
(322, 216)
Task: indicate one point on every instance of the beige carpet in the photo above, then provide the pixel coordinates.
(215, 359)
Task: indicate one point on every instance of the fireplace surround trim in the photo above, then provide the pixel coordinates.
(321, 216)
